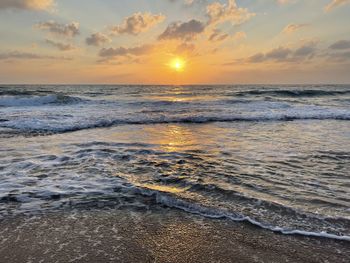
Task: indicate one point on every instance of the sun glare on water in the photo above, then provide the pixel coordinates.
(178, 64)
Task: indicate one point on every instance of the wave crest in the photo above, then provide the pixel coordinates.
(27, 101)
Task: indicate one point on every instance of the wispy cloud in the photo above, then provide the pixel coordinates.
(97, 39)
(339, 51)
(185, 48)
(291, 28)
(26, 4)
(305, 51)
(339, 57)
(137, 23)
(67, 30)
(188, 3)
(341, 44)
(284, 1)
(219, 13)
(60, 46)
(217, 35)
(19, 55)
(335, 3)
(183, 30)
(284, 54)
(123, 51)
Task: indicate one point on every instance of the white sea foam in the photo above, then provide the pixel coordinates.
(216, 214)
(93, 118)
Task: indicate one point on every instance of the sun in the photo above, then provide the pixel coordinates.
(178, 64)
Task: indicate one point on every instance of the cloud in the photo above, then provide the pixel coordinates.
(122, 51)
(341, 44)
(217, 13)
(283, 54)
(306, 50)
(26, 4)
(18, 55)
(138, 23)
(335, 3)
(280, 53)
(239, 35)
(185, 48)
(217, 36)
(341, 51)
(259, 57)
(97, 39)
(183, 30)
(291, 28)
(60, 46)
(284, 1)
(190, 3)
(339, 56)
(68, 30)
(230, 12)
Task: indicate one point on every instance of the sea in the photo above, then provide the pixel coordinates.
(275, 156)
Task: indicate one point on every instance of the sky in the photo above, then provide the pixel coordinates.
(174, 41)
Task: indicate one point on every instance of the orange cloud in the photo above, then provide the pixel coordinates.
(26, 4)
(335, 3)
(219, 13)
(138, 23)
(291, 28)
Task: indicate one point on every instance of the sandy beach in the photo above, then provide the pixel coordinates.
(154, 236)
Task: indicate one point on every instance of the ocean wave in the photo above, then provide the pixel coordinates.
(5, 91)
(126, 194)
(293, 92)
(215, 213)
(68, 125)
(26, 101)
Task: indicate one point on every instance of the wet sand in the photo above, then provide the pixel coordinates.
(160, 235)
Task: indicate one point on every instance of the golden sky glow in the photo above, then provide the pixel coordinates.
(174, 41)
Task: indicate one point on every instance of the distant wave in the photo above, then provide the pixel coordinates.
(25, 101)
(293, 93)
(4, 91)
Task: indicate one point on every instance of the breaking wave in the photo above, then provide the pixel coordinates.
(70, 124)
(28, 101)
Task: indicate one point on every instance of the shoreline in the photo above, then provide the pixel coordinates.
(156, 235)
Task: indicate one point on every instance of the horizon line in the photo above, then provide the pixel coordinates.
(155, 84)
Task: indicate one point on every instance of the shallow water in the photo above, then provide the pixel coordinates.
(275, 156)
